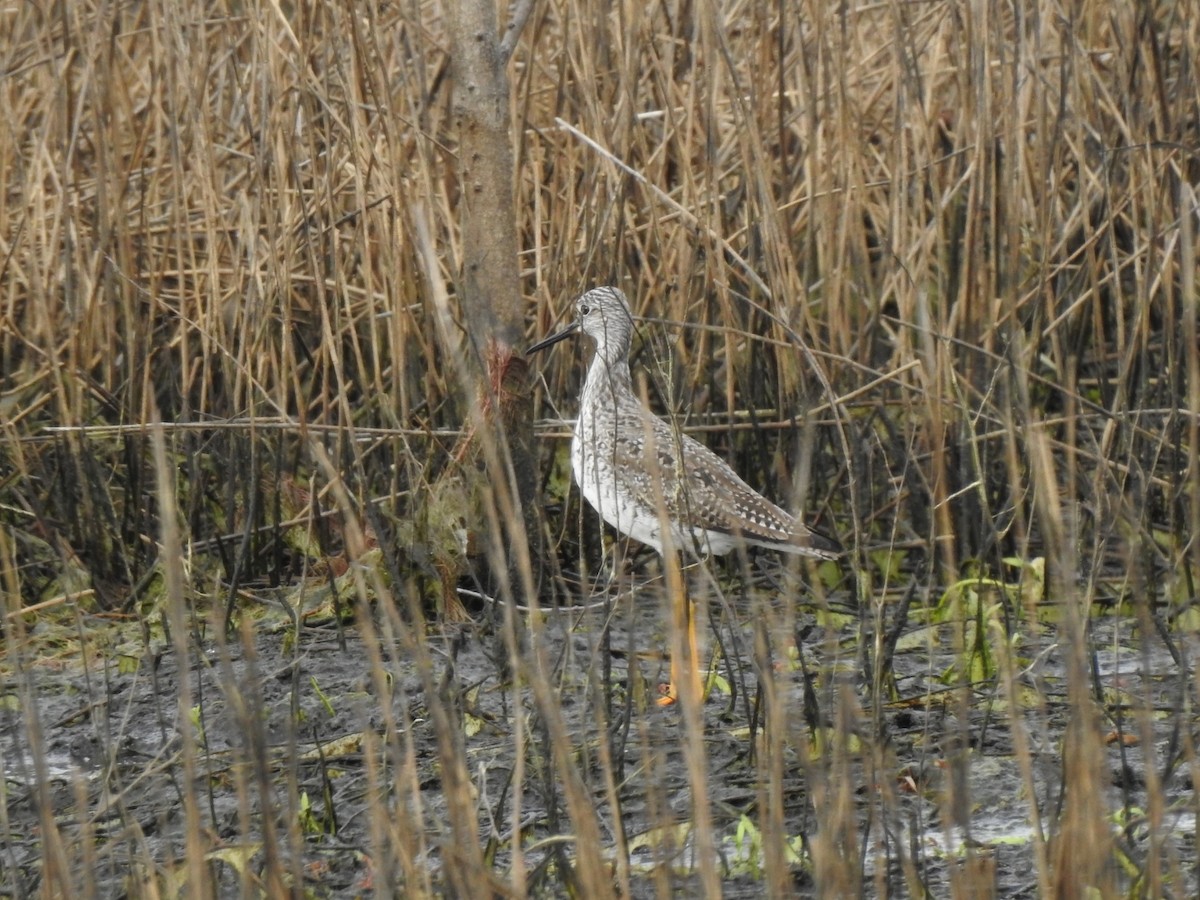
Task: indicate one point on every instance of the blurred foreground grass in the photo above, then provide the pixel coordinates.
(977, 220)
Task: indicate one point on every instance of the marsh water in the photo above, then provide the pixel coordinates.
(306, 733)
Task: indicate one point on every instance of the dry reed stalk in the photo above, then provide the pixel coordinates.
(976, 222)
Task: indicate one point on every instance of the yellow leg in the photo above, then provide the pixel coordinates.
(685, 656)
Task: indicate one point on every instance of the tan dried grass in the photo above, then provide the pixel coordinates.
(977, 220)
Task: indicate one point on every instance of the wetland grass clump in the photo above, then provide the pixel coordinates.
(927, 272)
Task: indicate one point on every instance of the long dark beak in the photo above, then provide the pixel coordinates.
(553, 339)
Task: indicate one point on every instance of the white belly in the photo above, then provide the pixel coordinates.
(633, 519)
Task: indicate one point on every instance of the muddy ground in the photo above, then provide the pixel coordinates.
(293, 732)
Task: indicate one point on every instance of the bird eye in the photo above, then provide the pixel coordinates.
(584, 310)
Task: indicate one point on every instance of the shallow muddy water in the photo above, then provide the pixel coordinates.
(303, 740)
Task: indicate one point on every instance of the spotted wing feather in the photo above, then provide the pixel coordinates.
(694, 485)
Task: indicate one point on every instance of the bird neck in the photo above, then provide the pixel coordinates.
(607, 380)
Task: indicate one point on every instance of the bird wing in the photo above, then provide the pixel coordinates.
(695, 485)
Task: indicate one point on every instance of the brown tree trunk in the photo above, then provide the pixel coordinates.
(493, 473)
(491, 298)
(490, 289)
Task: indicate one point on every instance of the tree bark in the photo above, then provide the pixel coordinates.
(490, 297)
(490, 288)
(493, 466)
